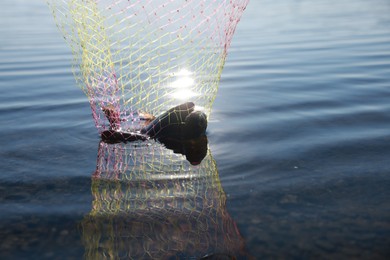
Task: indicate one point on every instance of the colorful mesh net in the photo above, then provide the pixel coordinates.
(143, 209)
(135, 56)
(136, 59)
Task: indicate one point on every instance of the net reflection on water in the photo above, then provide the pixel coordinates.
(149, 202)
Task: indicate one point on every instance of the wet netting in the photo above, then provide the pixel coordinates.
(144, 210)
(133, 57)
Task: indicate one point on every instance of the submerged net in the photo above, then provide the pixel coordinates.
(135, 56)
(143, 209)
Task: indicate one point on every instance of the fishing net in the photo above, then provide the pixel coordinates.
(136, 56)
(143, 209)
(136, 59)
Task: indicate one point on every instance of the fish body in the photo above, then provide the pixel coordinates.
(180, 122)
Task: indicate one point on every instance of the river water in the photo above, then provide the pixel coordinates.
(298, 165)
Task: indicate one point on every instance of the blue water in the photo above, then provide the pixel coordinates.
(300, 132)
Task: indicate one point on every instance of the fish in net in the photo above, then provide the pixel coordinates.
(151, 70)
(143, 57)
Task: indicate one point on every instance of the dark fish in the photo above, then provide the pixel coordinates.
(195, 125)
(170, 123)
(112, 136)
(180, 129)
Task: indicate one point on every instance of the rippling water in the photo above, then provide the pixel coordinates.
(300, 133)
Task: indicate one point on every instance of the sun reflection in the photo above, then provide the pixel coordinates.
(184, 94)
(183, 85)
(183, 72)
(183, 82)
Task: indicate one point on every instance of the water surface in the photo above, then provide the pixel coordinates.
(299, 133)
